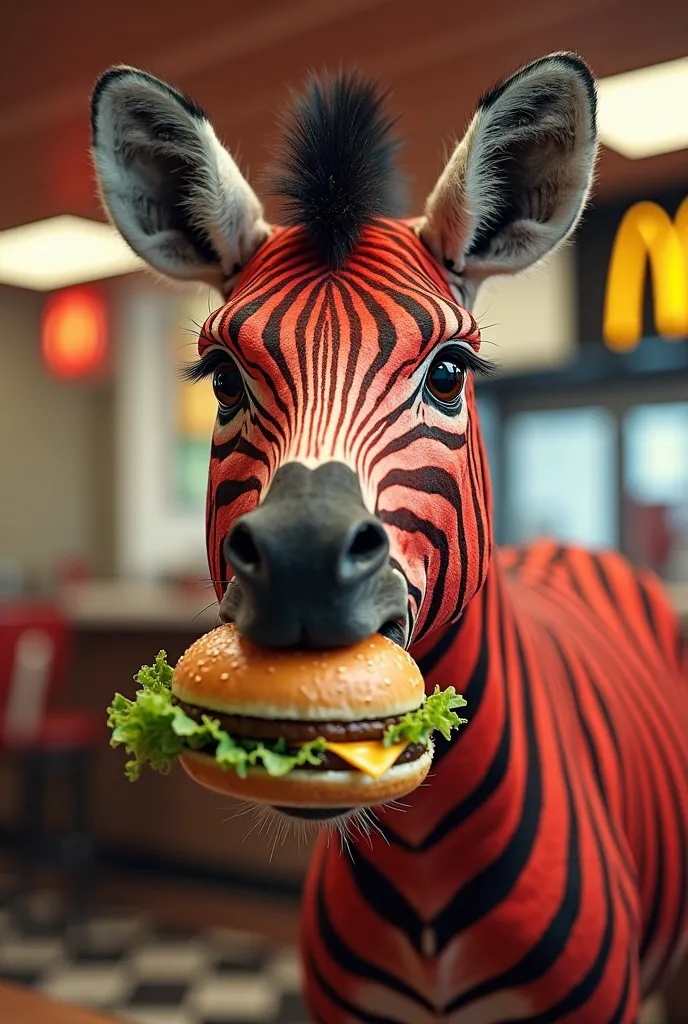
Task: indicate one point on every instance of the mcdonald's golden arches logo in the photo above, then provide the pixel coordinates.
(647, 237)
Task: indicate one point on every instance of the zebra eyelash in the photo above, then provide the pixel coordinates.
(205, 367)
(467, 358)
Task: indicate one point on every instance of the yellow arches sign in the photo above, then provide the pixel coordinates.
(647, 235)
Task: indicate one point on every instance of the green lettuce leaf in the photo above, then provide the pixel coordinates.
(154, 730)
(436, 714)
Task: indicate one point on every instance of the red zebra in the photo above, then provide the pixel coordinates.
(541, 875)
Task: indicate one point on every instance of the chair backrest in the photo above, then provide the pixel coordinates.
(33, 653)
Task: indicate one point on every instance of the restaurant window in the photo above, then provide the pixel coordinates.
(561, 476)
(655, 475)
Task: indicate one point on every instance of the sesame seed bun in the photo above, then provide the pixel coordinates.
(224, 672)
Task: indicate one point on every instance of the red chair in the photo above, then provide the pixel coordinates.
(42, 738)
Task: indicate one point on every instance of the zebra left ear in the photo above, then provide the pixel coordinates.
(173, 191)
(517, 183)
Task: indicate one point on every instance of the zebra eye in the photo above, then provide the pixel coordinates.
(228, 386)
(445, 381)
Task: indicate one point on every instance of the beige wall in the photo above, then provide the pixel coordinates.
(55, 453)
(528, 322)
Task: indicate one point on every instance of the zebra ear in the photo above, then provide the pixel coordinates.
(516, 184)
(171, 189)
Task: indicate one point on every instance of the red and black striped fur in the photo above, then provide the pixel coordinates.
(541, 873)
(346, 385)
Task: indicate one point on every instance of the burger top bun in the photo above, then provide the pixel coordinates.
(224, 672)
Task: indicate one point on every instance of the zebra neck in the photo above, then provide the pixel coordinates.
(469, 768)
(458, 654)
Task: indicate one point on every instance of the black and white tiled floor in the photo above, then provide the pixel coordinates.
(125, 966)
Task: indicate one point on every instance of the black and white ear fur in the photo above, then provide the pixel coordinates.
(171, 189)
(517, 183)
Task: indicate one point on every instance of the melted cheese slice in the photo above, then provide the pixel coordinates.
(372, 757)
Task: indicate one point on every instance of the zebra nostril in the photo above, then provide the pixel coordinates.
(365, 550)
(311, 564)
(365, 542)
(243, 552)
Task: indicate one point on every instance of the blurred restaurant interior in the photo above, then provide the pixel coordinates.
(104, 452)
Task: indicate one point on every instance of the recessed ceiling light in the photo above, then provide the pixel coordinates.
(644, 112)
(62, 251)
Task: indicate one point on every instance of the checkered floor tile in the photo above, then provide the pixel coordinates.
(125, 966)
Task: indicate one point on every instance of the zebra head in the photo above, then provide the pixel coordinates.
(348, 486)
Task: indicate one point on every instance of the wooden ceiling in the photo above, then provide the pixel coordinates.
(237, 60)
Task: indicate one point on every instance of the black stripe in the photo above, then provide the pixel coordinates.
(336, 335)
(414, 592)
(551, 944)
(354, 1013)
(382, 426)
(623, 1005)
(565, 665)
(387, 901)
(419, 432)
(431, 660)
(492, 779)
(386, 340)
(476, 494)
(227, 491)
(272, 339)
(241, 446)
(355, 345)
(406, 521)
(650, 931)
(432, 480)
(661, 736)
(585, 989)
(377, 429)
(349, 961)
(302, 348)
(483, 893)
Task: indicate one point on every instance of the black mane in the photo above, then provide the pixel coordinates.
(337, 168)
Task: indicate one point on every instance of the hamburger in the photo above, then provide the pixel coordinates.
(323, 730)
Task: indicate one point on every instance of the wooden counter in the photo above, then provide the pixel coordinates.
(21, 1006)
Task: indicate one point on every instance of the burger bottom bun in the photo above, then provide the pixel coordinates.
(305, 787)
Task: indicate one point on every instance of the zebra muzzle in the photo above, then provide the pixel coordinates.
(311, 565)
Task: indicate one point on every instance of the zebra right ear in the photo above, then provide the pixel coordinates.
(516, 184)
(172, 190)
